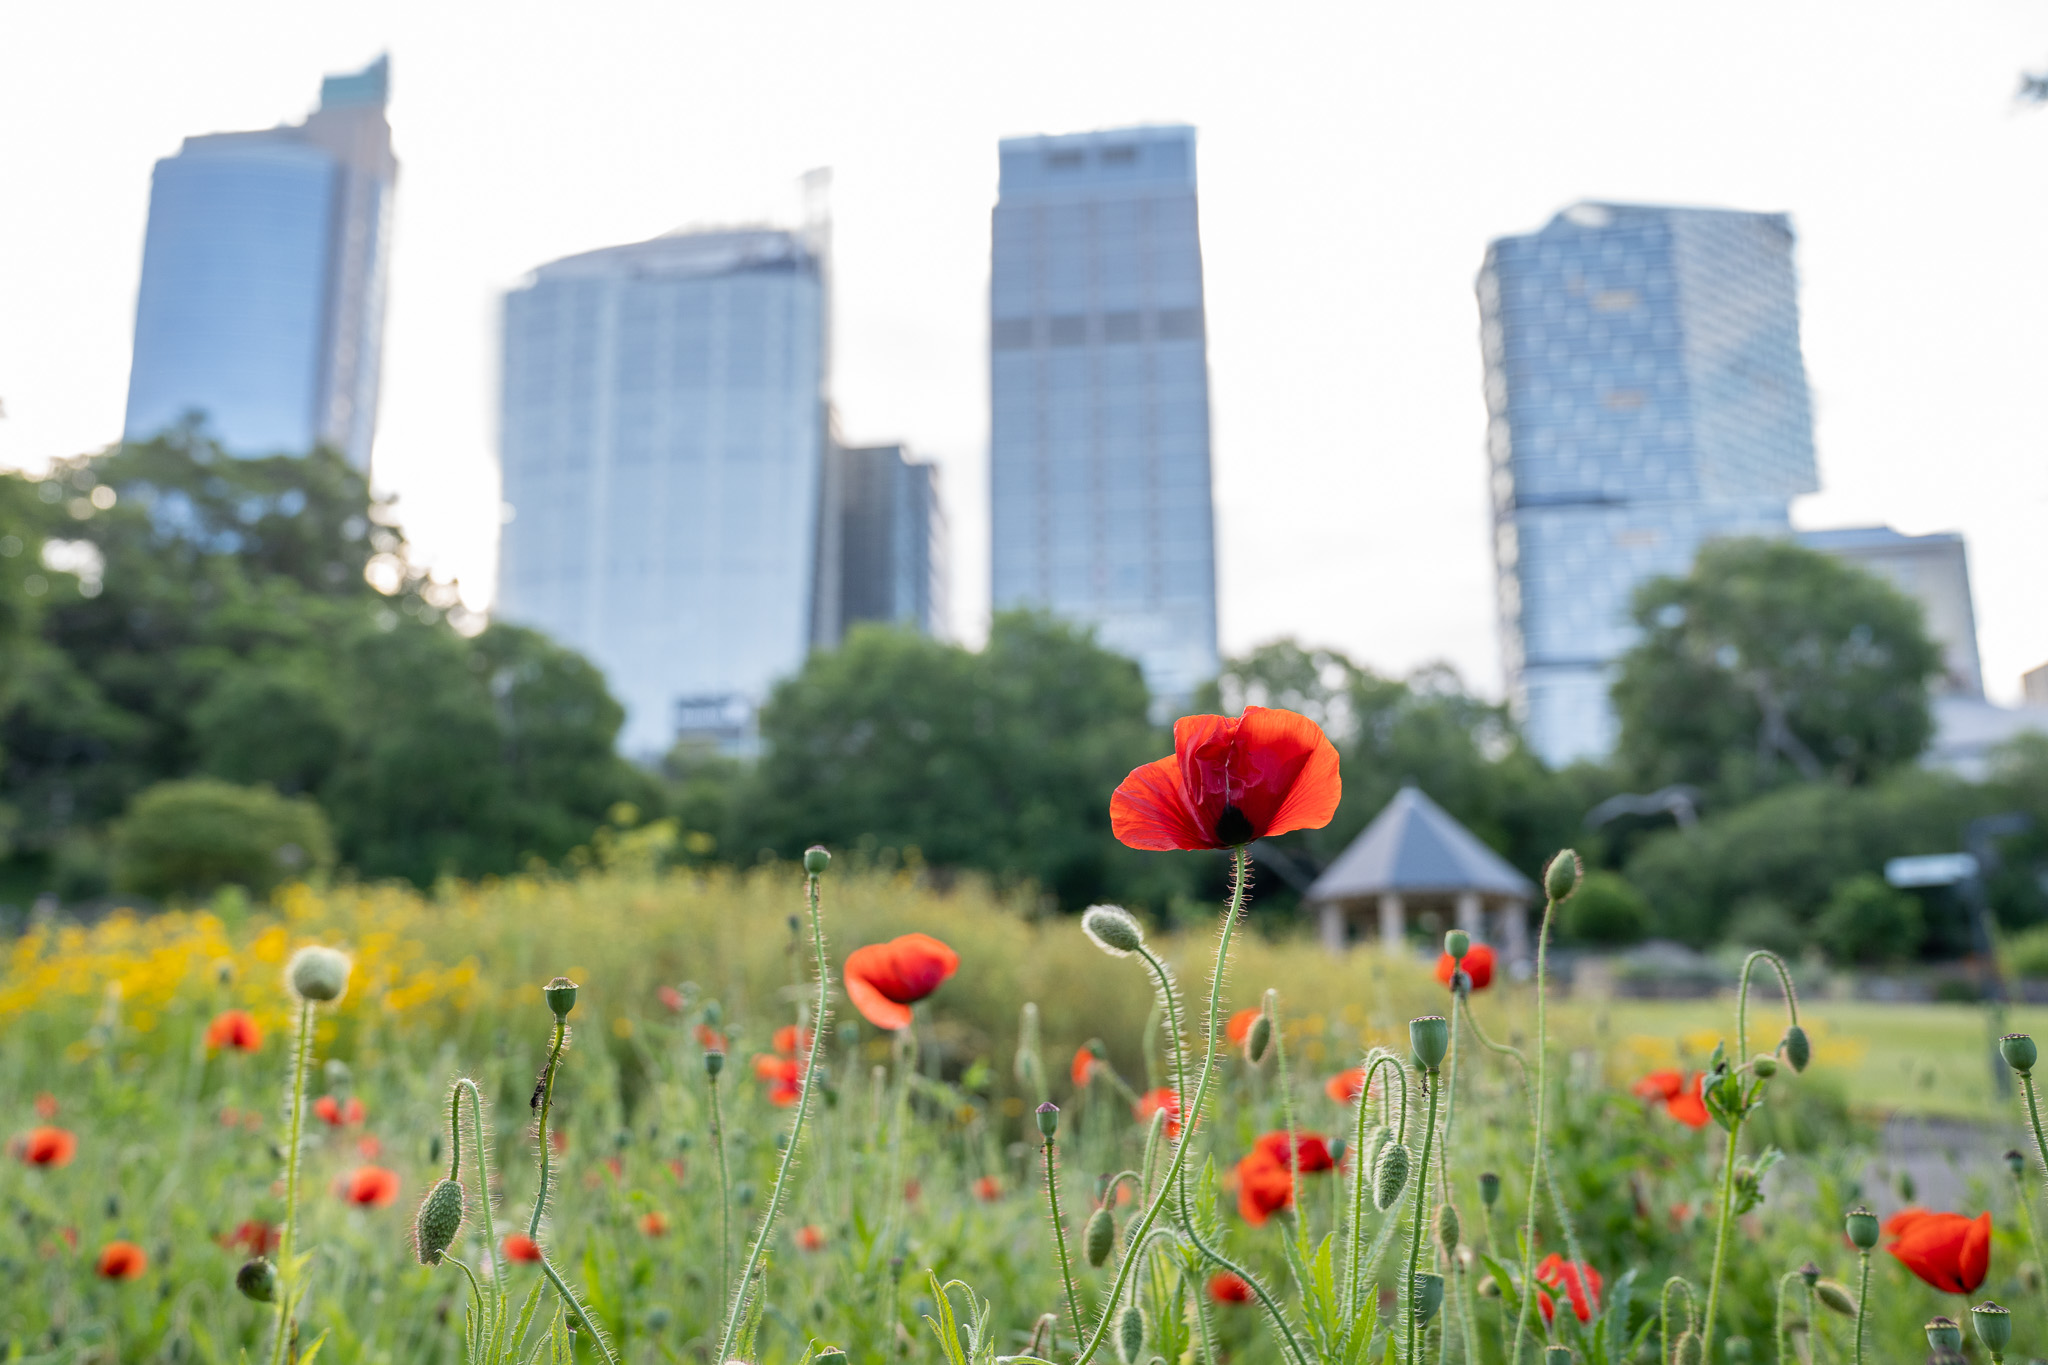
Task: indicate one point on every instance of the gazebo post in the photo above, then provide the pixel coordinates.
(1472, 915)
(1393, 923)
(1514, 936)
(1334, 919)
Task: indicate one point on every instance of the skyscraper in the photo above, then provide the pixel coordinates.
(662, 423)
(1645, 393)
(262, 298)
(881, 543)
(1099, 396)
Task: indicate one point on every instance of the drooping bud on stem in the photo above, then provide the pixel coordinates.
(1861, 1225)
(1390, 1175)
(1835, 1295)
(561, 996)
(1561, 878)
(1447, 1227)
(257, 1279)
(1130, 1334)
(1798, 1051)
(1099, 1237)
(439, 1219)
(1113, 929)
(816, 860)
(1048, 1120)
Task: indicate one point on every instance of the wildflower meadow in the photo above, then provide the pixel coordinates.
(817, 1112)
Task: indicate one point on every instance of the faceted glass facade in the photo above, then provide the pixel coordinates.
(661, 436)
(262, 296)
(1645, 393)
(885, 543)
(1099, 392)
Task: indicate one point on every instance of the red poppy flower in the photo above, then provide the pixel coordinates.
(654, 1224)
(1264, 1187)
(1152, 1101)
(1312, 1153)
(988, 1189)
(1949, 1251)
(336, 1114)
(1083, 1069)
(122, 1261)
(49, 1147)
(520, 1247)
(1687, 1106)
(46, 1106)
(1229, 782)
(253, 1236)
(710, 1039)
(671, 999)
(785, 1078)
(1478, 967)
(1240, 1026)
(1580, 1282)
(1345, 1085)
(234, 1029)
(810, 1237)
(883, 980)
(1659, 1085)
(371, 1186)
(1225, 1287)
(790, 1040)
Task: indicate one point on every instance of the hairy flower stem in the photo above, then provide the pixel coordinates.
(1537, 1164)
(1779, 1323)
(540, 1198)
(1557, 1204)
(819, 1020)
(2025, 1200)
(724, 1194)
(483, 1172)
(1862, 1304)
(287, 1271)
(1059, 1231)
(1287, 1116)
(1355, 1274)
(1668, 1341)
(1421, 1216)
(2034, 1116)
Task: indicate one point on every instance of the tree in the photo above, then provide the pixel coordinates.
(192, 837)
(1771, 663)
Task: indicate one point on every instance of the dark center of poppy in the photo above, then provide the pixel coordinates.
(1233, 828)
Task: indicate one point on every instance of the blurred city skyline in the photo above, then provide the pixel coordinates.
(1353, 169)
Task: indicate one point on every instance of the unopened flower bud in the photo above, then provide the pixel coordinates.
(1557, 1354)
(317, 973)
(1430, 1037)
(1489, 1188)
(826, 1355)
(714, 1062)
(257, 1279)
(1944, 1334)
(1258, 1039)
(1764, 1065)
(1561, 878)
(1862, 1228)
(439, 1219)
(1099, 1237)
(1428, 1295)
(1130, 1334)
(1389, 1176)
(1457, 943)
(1835, 1295)
(1048, 1119)
(1447, 1227)
(1338, 1146)
(2016, 1162)
(2020, 1054)
(816, 860)
(1994, 1327)
(1810, 1273)
(1113, 929)
(1689, 1350)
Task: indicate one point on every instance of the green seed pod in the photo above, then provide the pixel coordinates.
(1259, 1039)
(2020, 1054)
(1810, 1273)
(1337, 1149)
(1389, 1175)
(1489, 1287)
(1561, 878)
(827, 1355)
(1944, 1334)
(1557, 1355)
(257, 1279)
(1130, 1334)
(1447, 1227)
(1430, 1037)
(1113, 929)
(816, 860)
(316, 973)
(1457, 943)
(1048, 1119)
(1689, 1350)
(1861, 1225)
(439, 1219)
(1994, 1327)
(561, 996)
(1764, 1065)
(1835, 1295)
(1428, 1295)
(1099, 1237)
(714, 1062)
(1489, 1188)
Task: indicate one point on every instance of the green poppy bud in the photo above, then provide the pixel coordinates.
(1447, 1227)
(1862, 1228)
(316, 973)
(2020, 1054)
(257, 1279)
(1557, 1355)
(1944, 1334)
(1489, 1188)
(1430, 1036)
(1994, 1327)
(1258, 1039)
(1130, 1334)
(1689, 1350)
(1113, 929)
(1099, 1237)
(714, 1062)
(1836, 1296)
(1810, 1273)
(816, 860)
(826, 1355)
(2016, 1162)
(439, 1219)
(1561, 878)
(1764, 1065)
(1457, 943)
(561, 996)
(1428, 1295)
(1048, 1119)
(1390, 1175)
(1338, 1146)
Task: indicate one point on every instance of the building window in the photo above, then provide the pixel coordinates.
(1119, 156)
(1623, 400)
(1071, 330)
(1010, 334)
(1119, 327)
(1615, 301)
(1063, 161)
(1180, 324)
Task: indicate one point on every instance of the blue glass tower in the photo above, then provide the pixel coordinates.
(1645, 392)
(661, 436)
(1099, 396)
(262, 300)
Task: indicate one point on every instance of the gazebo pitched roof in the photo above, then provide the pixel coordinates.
(1414, 847)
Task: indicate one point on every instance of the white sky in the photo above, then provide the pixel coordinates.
(1354, 160)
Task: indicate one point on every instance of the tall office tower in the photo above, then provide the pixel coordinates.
(262, 298)
(1644, 393)
(1099, 397)
(1933, 570)
(881, 543)
(661, 431)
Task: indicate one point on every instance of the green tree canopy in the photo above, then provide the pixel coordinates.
(1771, 663)
(191, 837)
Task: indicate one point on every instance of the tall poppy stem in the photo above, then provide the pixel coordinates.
(1721, 1235)
(302, 1057)
(1862, 1304)
(1421, 1213)
(1537, 1164)
(540, 1198)
(1059, 1231)
(724, 1191)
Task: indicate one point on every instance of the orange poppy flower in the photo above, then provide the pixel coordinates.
(49, 1147)
(785, 1078)
(988, 1189)
(1083, 1069)
(373, 1187)
(1687, 1106)
(122, 1261)
(1949, 1251)
(1345, 1085)
(336, 1114)
(1580, 1282)
(1659, 1085)
(654, 1223)
(520, 1247)
(46, 1106)
(1478, 967)
(234, 1029)
(790, 1040)
(1229, 782)
(671, 999)
(1264, 1186)
(1240, 1026)
(810, 1237)
(710, 1039)
(1312, 1152)
(1152, 1101)
(883, 980)
(1225, 1287)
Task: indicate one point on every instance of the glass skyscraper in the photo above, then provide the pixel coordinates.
(1645, 392)
(262, 300)
(881, 543)
(661, 435)
(1099, 396)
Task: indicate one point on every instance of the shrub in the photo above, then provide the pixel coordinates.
(1606, 909)
(1866, 920)
(2026, 953)
(192, 837)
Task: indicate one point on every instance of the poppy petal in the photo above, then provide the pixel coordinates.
(1292, 779)
(1148, 811)
(877, 1008)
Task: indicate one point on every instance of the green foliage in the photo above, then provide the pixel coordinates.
(1606, 909)
(1772, 663)
(1866, 921)
(2025, 954)
(192, 837)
